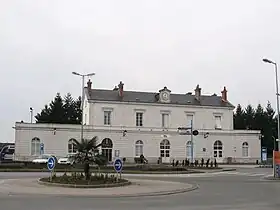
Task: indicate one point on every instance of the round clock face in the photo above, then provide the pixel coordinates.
(165, 96)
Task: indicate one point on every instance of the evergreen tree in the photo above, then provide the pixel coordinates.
(269, 129)
(78, 110)
(249, 117)
(63, 111)
(44, 116)
(69, 109)
(269, 112)
(57, 112)
(239, 118)
(259, 117)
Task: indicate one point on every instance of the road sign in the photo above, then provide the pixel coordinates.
(264, 154)
(51, 163)
(118, 165)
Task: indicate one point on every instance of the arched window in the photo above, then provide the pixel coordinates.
(245, 149)
(107, 148)
(35, 146)
(218, 149)
(165, 148)
(139, 148)
(71, 147)
(189, 149)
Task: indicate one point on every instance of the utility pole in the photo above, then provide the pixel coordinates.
(192, 148)
(82, 100)
(192, 134)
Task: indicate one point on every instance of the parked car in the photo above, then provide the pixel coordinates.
(43, 158)
(7, 153)
(66, 160)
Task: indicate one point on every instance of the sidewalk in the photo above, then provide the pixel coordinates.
(138, 188)
(239, 166)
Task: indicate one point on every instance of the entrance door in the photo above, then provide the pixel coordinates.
(107, 148)
(218, 151)
(165, 151)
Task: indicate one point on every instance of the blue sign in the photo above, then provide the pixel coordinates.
(118, 165)
(264, 154)
(51, 163)
(42, 148)
(278, 170)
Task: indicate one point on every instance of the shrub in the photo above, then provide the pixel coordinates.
(79, 178)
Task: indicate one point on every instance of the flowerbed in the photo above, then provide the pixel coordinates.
(79, 179)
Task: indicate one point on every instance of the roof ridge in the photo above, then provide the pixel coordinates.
(145, 92)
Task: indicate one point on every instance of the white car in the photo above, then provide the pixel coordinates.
(42, 158)
(66, 160)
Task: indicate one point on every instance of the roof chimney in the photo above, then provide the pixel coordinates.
(89, 83)
(197, 93)
(224, 94)
(121, 89)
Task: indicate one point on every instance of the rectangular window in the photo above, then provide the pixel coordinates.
(189, 120)
(139, 119)
(218, 122)
(164, 120)
(107, 117)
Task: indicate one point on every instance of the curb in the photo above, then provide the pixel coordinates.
(151, 194)
(126, 183)
(229, 169)
(154, 194)
(221, 170)
(271, 178)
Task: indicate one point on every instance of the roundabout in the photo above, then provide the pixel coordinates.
(138, 187)
(244, 189)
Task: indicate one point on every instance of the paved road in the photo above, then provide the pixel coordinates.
(244, 190)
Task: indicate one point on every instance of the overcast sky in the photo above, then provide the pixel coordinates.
(147, 44)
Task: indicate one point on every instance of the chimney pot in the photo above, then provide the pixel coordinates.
(89, 83)
(224, 94)
(197, 93)
(121, 89)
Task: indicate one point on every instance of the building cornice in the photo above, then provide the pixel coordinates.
(120, 129)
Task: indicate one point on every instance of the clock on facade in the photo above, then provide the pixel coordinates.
(165, 96)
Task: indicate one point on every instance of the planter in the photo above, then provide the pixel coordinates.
(120, 184)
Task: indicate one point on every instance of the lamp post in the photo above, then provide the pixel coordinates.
(83, 98)
(31, 114)
(274, 143)
(192, 133)
(277, 104)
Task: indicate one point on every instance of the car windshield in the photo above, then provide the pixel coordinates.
(69, 155)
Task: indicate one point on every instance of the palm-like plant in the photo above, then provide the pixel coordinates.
(87, 152)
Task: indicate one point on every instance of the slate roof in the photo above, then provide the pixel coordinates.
(150, 97)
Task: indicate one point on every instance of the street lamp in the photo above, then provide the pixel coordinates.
(83, 98)
(31, 114)
(277, 101)
(192, 133)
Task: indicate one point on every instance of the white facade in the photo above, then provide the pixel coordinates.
(151, 129)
